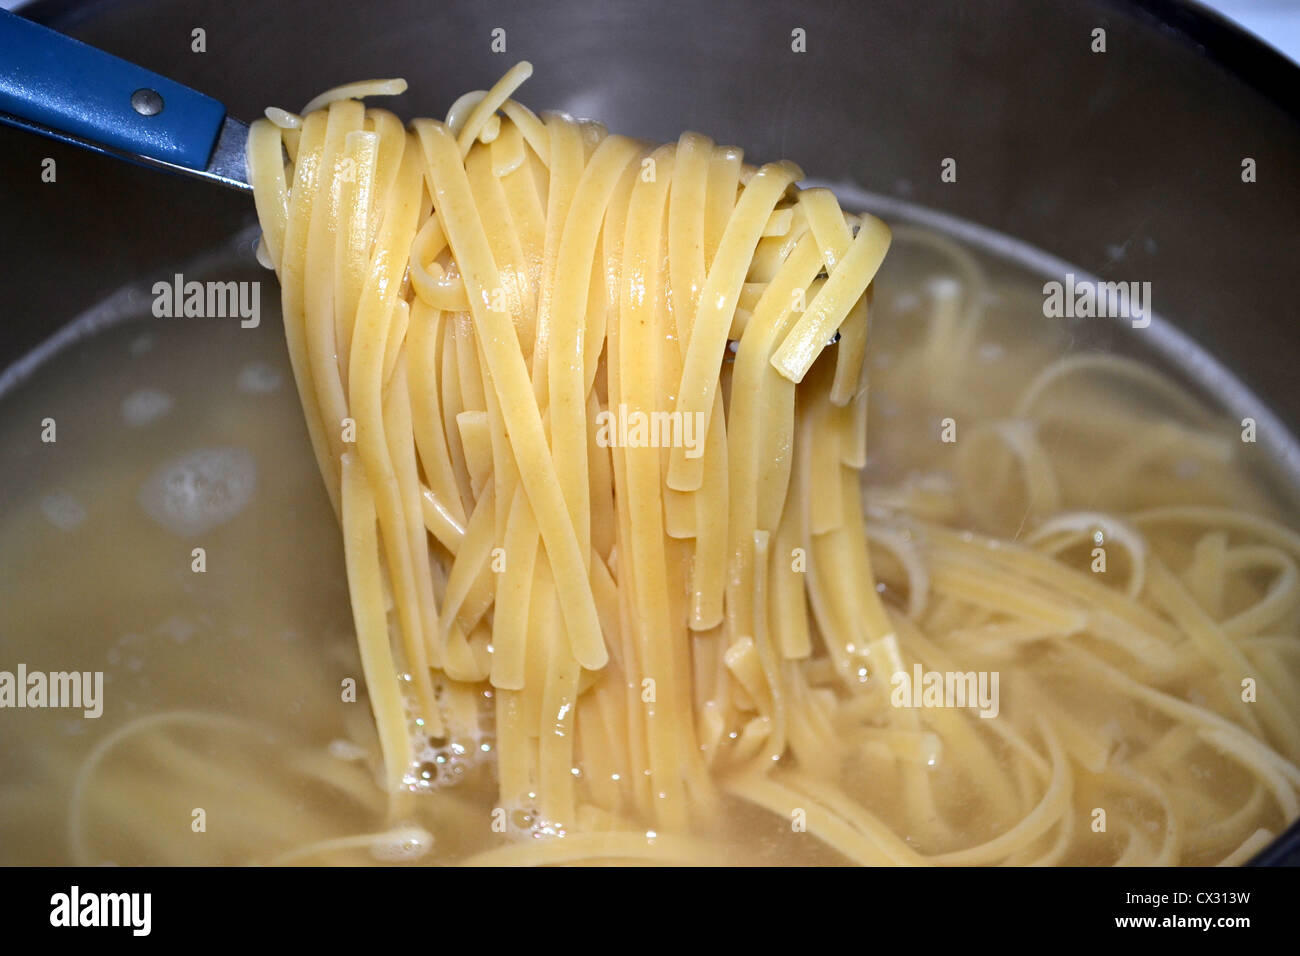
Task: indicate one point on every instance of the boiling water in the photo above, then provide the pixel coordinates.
(164, 523)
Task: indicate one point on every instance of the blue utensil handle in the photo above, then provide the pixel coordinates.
(69, 87)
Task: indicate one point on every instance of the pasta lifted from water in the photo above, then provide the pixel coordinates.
(504, 306)
(592, 414)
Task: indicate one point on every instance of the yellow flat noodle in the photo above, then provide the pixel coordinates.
(789, 607)
(366, 586)
(353, 235)
(712, 506)
(366, 377)
(532, 129)
(687, 210)
(271, 196)
(477, 442)
(392, 148)
(600, 479)
(291, 272)
(507, 150)
(358, 90)
(510, 376)
(720, 200)
(401, 449)
(514, 588)
(643, 565)
(397, 326)
(504, 239)
(1278, 603)
(489, 104)
(568, 397)
(1215, 645)
(555, 744)
(850, 352)
(761, 401)
(825, 824)
(505, 472)
(323, 346)
(423, 334)
(564, 169)
(468, 573)
(846, 285)
(717, 302)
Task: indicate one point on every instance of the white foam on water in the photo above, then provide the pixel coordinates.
(346, 750)
(146, 406)
(63, 510)
(258, 378)
(179, 629)
(402, 843)
(200, 490)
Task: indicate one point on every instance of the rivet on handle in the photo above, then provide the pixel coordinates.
(147, 102)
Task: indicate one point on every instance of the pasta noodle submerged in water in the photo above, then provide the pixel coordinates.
(592, 415)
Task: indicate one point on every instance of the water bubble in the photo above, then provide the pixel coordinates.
(200, 490)
(943, 287)
(145, 406)
(346, 750)
(64, 511)
(258, 378)
(401, 844)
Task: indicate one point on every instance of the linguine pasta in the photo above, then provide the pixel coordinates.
(654, 632)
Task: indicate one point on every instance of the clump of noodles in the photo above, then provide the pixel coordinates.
(638, 634)
(475, 298)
